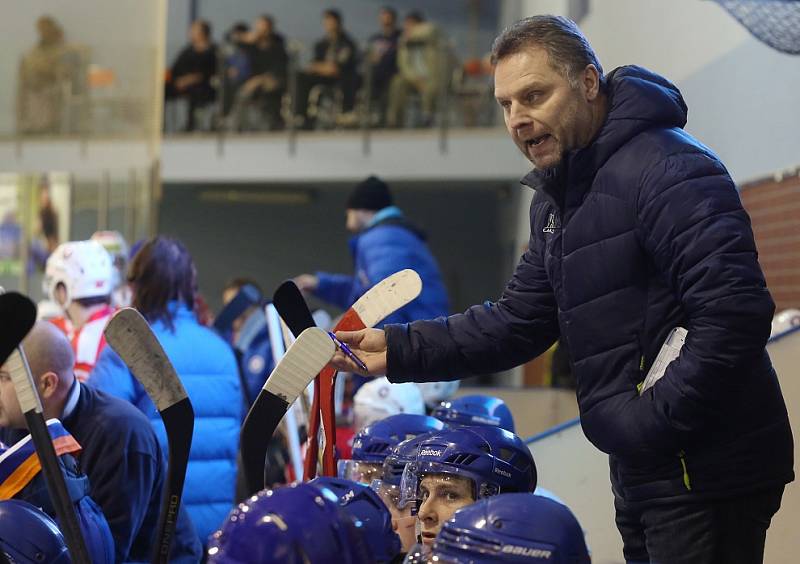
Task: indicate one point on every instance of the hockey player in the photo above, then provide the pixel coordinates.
(374, 442)
(298, 524)
(456, 467)
(367, 507)
(79, 278)
(510, 528)
(29, 536)
(476, 410)
(378, 399)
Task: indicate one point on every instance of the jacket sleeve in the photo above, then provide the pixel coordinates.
(335, 289)
(522, 324)
(112, 376)
(694, 228)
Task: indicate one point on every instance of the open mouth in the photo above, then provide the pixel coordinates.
(428, 538)
(536, 141)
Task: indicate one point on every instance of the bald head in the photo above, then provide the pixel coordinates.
(48, 350)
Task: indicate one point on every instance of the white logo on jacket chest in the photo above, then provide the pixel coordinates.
(553, 223)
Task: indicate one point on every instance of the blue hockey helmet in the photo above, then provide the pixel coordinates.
(511, 528)
(475, 410)
(298, 524)
(495, 460)
(29, 536)
(373, 443)
(373, 516)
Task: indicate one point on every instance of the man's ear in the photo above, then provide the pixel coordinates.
(590, 81)
(48, 384)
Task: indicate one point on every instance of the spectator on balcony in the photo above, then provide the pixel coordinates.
(42, 74)
(268, 63)
(191, 75)
(334, 64)
(382, 53)
(236, 64)
(421, 70)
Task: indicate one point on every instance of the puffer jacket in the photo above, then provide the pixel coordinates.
(389, 244)
(637, 233)
(207, 368)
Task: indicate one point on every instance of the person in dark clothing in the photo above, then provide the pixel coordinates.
(636, 229)
(268, 65)
(120, 451)
(334, 64)
(382, 54)
(235, 65)
(193, 70)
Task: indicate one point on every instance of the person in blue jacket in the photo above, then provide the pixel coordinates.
(636, 229)
(162, 276)
(384, 242)
(119, 451)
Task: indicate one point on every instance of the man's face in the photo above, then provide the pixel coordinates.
(10, 412)
(544, 114)
(356, 220)
(262, 27)
(441, 495)
(197, 33)
(330, 25)
(386, 18)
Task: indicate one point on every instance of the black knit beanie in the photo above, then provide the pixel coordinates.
(370, 194)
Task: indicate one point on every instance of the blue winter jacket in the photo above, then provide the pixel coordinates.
(387, 245)
(207, 368)
(639, 232)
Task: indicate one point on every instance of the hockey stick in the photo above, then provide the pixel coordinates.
(312, 350)
(378, 302)
(278, 342)
(130, 336)
(19, 314)
(248, 295)
(293, 309)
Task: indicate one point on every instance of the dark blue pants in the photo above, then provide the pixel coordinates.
(728, 531)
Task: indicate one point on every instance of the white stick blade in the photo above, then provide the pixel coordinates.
(131, 337)
(303, 360)
(387, 296)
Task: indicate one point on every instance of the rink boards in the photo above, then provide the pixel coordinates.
(577, 472)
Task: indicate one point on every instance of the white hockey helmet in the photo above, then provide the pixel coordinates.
(83, 267)
(784, 321)
(436, 392)
(379, 398)
(117, 247)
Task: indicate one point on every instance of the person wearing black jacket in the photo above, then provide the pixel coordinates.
(636, 229)
(192, 72)
(120, 452)
(266, 52)
(334, 64)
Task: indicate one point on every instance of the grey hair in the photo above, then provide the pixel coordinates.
(567, 48)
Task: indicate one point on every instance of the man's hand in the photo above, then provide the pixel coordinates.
(369, 345)
(307, 283)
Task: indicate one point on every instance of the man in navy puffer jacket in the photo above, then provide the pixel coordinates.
(636, 228)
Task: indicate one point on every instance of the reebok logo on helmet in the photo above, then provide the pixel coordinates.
(430, 452)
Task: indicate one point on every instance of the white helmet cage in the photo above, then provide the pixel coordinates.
(82, 267)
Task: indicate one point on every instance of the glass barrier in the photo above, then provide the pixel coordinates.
(89, 71)
(40, 211)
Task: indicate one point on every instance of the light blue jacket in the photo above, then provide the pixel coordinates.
(207, 367)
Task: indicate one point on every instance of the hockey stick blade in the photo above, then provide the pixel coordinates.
(303, 360)
(292, 307)
(248, 295)
(19, 312)
(131, 337)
